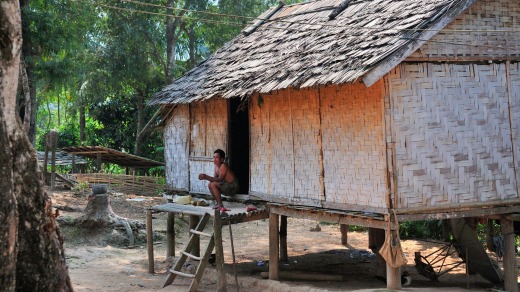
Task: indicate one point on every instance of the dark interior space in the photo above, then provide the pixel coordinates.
(239, 142)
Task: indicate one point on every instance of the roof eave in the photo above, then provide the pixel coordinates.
(403, 52)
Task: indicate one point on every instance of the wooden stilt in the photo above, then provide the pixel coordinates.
(393, 275)
(274, 247)
(376, 239)
(46, 158)
(510, 268)
(73, 170)
(219, 252)
(98, 162)
(170, 235)
(149, 241)
(283, 239)
(193, 222)
(344, 233)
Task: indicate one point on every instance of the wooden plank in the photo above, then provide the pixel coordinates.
(274, 247)
(404, 51)
(510, 267)
(202, 265)
(458, 59)
(149, 241)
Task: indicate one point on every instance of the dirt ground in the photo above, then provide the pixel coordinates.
(95, 265)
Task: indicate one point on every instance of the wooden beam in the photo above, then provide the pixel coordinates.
(474, 212)
(193, 222)
(415, 42)
(510, 268)
(274, 247)
(457, 59)
(458, 207)
(328, 217)
(149, 241)
(88, 152)
(219, 251)
(283, 239)
(170, 235)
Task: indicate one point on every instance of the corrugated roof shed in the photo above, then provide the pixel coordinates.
(300, 47)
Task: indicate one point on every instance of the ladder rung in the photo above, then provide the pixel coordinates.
(200, 233)
(182, 274)
(191, 256)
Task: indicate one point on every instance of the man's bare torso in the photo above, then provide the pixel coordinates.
(224, 168)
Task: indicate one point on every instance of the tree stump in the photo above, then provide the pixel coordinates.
(99, 213)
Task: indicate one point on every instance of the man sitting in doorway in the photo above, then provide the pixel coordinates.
(223, 182)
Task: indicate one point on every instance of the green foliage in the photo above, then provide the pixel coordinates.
(422, 229)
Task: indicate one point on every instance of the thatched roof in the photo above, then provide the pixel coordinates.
(300, 47)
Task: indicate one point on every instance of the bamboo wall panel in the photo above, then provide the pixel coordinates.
(198, 129)
(281, 159)
(197, 167)
(176, 148)
(514, 91)
(488, 28)
(259, 152)
(452, 134)
(305, 114)
(216, 125)
(209, 124)
(353, 145)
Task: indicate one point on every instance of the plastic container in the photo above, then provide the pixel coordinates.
(182, 200)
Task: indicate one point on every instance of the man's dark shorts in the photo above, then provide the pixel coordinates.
(229, 189)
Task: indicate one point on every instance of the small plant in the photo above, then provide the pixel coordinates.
(80, 189)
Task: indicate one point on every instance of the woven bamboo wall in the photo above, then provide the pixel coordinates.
(514, 89)
(175, 149)
(209, 131)
(491, 18)
(353, 145)
(297, 134)
(452, 134)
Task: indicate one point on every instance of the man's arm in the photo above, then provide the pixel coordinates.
(217, 177)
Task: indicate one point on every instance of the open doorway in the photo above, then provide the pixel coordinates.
(239, 142)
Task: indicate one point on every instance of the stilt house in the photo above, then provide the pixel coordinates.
(372, 106)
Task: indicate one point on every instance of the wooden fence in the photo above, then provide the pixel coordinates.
(128, 184)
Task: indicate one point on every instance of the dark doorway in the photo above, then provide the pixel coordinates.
(239, 142)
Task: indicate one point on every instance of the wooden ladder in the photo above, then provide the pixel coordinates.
(203, 261)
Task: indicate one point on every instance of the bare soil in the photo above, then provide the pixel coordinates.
(95, 264)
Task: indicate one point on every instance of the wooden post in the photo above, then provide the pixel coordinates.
(149, 241)
(219, 252)
(510, 268)
(344, 233)
(274, 247)
(393, 275)
(376, 239)
(73, 170)
(54, 144)
(98, 162)
(46, 158)
(170, 235)
(283, 239)
(193, 222)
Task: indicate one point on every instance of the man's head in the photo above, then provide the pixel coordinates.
(218, 156)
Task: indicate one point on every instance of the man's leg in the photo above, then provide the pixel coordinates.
(215, 192)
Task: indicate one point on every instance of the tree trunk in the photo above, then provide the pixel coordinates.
(82, 121)
(28, 65)
(140, 124)
(31, 247)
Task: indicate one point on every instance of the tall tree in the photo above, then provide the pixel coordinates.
(31, 251)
